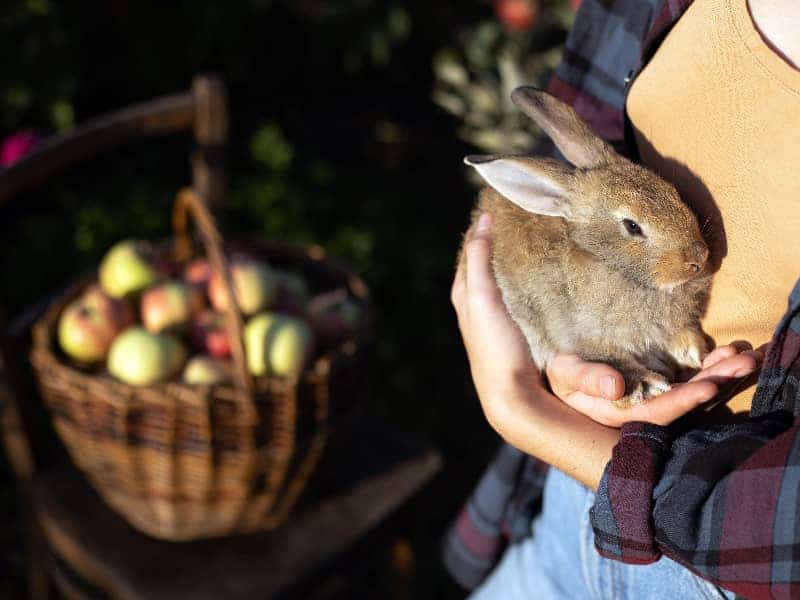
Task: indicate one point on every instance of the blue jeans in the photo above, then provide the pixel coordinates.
(560, 561)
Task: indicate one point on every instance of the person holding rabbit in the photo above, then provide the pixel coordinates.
(662, 499)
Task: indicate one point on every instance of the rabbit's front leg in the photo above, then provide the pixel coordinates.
(688, 348)
(640, 383)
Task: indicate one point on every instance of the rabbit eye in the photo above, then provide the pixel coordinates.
(632, 227)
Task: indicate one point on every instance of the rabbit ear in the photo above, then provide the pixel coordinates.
(569, 132)
(538, 186)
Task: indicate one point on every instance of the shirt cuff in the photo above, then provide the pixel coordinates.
(622, 513)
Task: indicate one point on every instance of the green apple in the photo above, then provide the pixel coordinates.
(276, 344)
(169, 306)
(127, 268)
(206, 370)
(138, 357)
(255, 285)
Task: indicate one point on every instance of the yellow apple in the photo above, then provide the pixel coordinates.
(206, 370)
(127, 268)
(169, 306)
(255, 286)
(138, 357)
(276, 344)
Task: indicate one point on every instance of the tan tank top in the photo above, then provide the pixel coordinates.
(717, 113)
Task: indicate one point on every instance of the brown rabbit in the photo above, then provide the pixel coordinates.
(603, 259)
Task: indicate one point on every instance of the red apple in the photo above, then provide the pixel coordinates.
(198, 273)
(335, 315)
(254, 283)
(293, 292)
(575, 5)
(169, 306)
(164, 262)
(118, 312)
(206, 370)
(88, 325)
(209, 335)
(517, 15)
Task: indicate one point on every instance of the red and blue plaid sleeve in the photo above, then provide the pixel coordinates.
(723, 501)
(500, 510)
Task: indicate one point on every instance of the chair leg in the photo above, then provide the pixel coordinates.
(35, 558)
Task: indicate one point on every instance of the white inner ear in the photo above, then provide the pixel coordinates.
(528, 189)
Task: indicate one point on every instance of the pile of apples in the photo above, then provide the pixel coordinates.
(150, 321)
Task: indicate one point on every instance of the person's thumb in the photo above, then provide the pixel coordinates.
(569, 373)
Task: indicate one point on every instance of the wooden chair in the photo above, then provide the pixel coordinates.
(73, 540)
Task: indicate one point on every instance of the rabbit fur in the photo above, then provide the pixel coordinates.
(601, 258)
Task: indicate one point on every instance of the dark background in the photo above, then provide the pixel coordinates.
(346, 131)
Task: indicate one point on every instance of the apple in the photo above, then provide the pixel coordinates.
(138, 357)
(117, 311)
(335, 316)
(163, 261)
(197, 273)
(254, 283)
(89, 324)
(208, 334)
(517, 15)
(276, 344)
(169, 306)
(206, 370)
(293, 292)
(127, 268)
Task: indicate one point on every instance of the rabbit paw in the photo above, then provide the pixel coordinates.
(689, 348)
(650, 385)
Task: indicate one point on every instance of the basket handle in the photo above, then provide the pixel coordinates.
(190, 202)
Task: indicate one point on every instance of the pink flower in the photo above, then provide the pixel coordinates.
(16, 146)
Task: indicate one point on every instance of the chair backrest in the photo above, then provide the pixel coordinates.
(204, 109)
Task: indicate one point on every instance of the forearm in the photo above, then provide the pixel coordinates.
(538, 423)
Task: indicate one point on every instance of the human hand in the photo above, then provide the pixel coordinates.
(499, 357)
(510, 388)
(590, 387)
(503, 370)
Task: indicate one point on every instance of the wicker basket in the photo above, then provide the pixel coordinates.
(184, 462)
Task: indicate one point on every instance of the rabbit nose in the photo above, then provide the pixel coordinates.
(697, 257)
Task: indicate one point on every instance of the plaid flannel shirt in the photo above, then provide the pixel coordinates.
(722, 501)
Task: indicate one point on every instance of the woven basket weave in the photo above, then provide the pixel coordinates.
(183, 462)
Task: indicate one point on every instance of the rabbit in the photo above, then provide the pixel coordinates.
(601, 258)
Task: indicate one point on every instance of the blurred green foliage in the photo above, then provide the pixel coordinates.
(37, 81)
(476, 74)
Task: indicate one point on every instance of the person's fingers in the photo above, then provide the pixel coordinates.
(568, 373)
(718, 354)
(661, 410)
(671, 405)
(734, 367)
(723, 352)
(458, 290)
(597, 409)
(480, 282)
